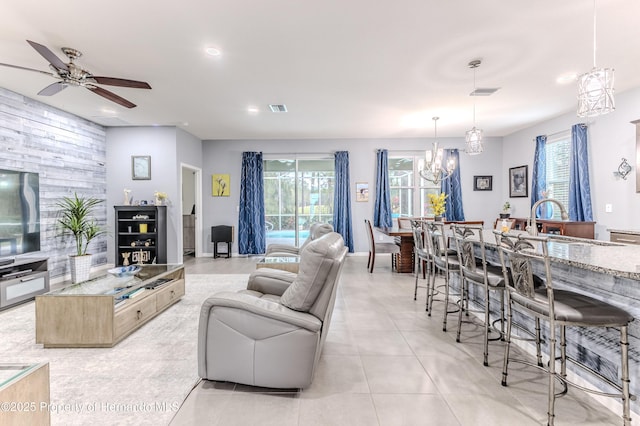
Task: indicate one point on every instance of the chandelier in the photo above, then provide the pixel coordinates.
(473, 137)
(432, 169)
(595, 88)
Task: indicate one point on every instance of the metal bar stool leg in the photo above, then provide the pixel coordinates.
(505, 364)
(626, 396)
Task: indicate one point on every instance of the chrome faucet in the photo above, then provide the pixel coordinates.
(532, 226)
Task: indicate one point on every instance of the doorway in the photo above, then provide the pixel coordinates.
(297, 193)
(191, 208)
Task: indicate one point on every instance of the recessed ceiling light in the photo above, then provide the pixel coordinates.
(213, 51)
(567, 78)
(253, 110)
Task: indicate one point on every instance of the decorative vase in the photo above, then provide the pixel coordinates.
(438, 218)
(80, 268)
(505, 215)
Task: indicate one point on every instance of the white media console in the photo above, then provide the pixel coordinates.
(22, 280)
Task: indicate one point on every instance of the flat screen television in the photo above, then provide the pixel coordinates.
(19, 213)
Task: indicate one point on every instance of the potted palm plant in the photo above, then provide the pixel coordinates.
(76, 218)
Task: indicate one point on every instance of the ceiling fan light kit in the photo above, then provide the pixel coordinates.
(69, 74)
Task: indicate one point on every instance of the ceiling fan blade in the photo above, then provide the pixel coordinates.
(111, 96)
(52, 89)
(49, 55)
(25, 68)
(121, 82)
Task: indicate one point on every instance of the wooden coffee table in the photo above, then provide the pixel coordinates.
(290, 264)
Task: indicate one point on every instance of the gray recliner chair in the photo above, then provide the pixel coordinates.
(272, 333)
(283, 250)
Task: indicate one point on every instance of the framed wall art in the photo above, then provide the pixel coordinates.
(362, 191)
(220, 185)
(483, 183)
(141, 167)
(518, 178)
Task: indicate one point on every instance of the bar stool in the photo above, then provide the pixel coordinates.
(476, 271)
(423, 260)
(445, 261)
(560, 308)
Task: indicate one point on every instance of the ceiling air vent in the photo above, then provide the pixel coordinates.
(278, 108)
(484, 91)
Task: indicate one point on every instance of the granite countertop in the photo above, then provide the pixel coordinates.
(619, 260)
(625, 231)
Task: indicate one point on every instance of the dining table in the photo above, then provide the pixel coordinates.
(405, 261)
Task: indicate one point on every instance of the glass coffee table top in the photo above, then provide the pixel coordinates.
(285, 263)
(109, 284)
(9, 372)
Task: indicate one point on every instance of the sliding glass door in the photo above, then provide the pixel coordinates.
(297, 193)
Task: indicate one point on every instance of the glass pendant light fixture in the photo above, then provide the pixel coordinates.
(431, 168)
(595, 88)
(473, 137)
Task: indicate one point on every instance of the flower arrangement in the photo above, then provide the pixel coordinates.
(506, 208)
(438, 203)
(160, 197)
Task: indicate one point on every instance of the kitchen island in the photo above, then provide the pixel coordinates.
(606, 271)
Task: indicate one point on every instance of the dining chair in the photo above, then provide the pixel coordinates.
(445, 261)
(525, 255)
(375, 248)
(475, 270)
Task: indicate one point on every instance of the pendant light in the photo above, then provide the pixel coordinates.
(473, 137)
(595, 88)
(431, 169)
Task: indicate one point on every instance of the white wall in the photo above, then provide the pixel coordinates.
(226, 157)
(611, 137)
(160, 144)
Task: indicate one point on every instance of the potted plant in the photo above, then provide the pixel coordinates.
(506, 210)
(76, 219)
(438, 204)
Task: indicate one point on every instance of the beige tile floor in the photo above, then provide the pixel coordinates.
(385, 362)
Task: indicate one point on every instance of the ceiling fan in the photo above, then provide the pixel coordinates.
(72, 75)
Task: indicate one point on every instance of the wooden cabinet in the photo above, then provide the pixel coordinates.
(22, 280)
(103, 311)
(625, 237)
(188, 233)
(140, 234)
(560, 227)
(25, 394)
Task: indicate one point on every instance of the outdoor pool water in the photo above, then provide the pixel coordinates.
(287, 233)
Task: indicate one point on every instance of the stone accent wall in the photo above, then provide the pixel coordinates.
(69, 153)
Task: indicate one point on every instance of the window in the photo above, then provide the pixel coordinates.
(297, 193)
(558, 155)
(408, 189)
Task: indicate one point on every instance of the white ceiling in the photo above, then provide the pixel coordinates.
(344, 68)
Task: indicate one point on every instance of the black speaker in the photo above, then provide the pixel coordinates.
(221, 234)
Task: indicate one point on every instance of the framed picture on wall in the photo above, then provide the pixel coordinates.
(362, 191)
(518, 178)
(141, 167)
(220, 184)
(483, 183)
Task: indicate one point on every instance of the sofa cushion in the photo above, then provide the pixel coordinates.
(316, 260)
